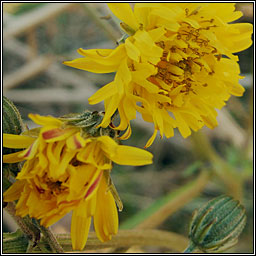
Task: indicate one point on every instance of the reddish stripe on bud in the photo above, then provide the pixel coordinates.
(77, 142)
(29, 150)
(53, 133)
(94, 185)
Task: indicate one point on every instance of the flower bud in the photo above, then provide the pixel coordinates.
(12, 124)
(216, 226)
(89, 121)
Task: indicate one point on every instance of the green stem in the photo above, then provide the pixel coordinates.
(124, 238)
(51, 239)
(128, 238)
(191, 248)
(25, 224)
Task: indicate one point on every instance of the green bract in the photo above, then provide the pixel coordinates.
(12, 124)
(89, 121)
(216, 226)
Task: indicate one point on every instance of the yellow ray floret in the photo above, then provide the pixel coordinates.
(63, 172)
(176, 67)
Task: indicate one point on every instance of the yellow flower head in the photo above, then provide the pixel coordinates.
(176, 67)
(64, 171)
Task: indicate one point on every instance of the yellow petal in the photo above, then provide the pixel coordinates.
(92, 66)
(75, 142)
(168, 130)
(56, 134)
(210, 120)
(111, 105)
(146, 45)
(241, 45)
(124, 122)
(45, 120)
(192, 121)
(108, 145)
(226, 11)
(169, 15)
(80, 226)
(86, 154)
(106, 217)
(127, 133)
(42, 212)
(127, 155)
(132, 51)
(26, 171)
(103, 93)
(30, 152)
(50, 155)
(12, 158)
(51, 219)
(124, 12)
(93, 186)
(236, 89)
(182, 125)
(91, 206)
(140, 78)
(123, 77)
(53, 153)
(17, 141)
(113, 57)
(84, 181)
(158, 120)
(95, 53)
(62, 167)
(21, 207)
(151, 139)
(157, 33)
(130, 109)
(142, 14)
(13, 192)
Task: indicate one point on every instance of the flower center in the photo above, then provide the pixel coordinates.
(50, 188)
(186, 55)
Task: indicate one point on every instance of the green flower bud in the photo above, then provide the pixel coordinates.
(216, 226)
(12, 124)
(88, 121)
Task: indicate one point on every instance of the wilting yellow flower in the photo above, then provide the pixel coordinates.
(176, 67)
(64, 170)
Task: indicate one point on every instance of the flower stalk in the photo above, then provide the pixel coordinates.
(25, 224)
(124, 238)
(51, 239)
(191, 248)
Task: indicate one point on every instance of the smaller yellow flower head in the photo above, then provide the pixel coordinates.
(63, 172)
(176, 67)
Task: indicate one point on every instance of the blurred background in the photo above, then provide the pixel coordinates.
(38, 37)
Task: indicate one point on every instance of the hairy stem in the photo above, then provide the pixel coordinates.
(128, 238)
(51, 239)
(25, 224)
